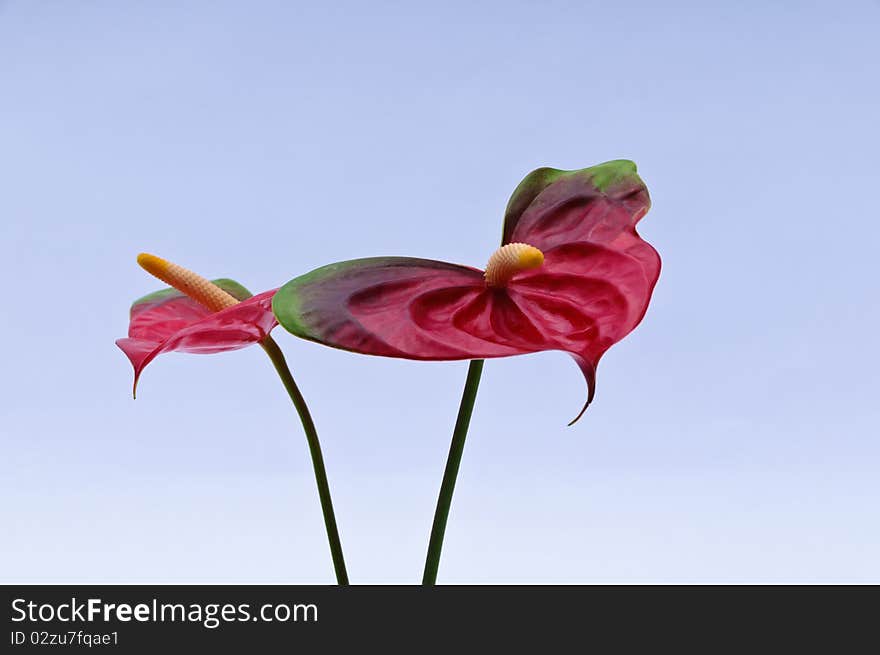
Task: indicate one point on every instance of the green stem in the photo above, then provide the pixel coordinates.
(299, 402)
(447, 487)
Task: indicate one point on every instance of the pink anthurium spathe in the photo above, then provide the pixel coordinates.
(168, 320)
(572, 274)
(197, 315)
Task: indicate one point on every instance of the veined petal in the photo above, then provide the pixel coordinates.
(160, 314)
(389, 306)
(592, 289)
(587, 297)
(168, 321)
(551, 207)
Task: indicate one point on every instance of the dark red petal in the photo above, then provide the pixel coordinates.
(588, 297)
(173, 322)
(589, 371)
(584, 298)
(159, 315)
(390, 306)
(159, 321)
(592, 290)
(551, 207)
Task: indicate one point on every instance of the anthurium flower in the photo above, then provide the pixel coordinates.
(572, 274)
(215, 317)
(198, 315)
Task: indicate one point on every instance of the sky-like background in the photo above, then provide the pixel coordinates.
(734, 437)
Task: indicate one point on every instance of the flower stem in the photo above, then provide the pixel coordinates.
(447, 487)
(277, 357)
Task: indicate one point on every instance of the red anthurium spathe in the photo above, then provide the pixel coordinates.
(572, 274)
(212, 319)
(197, 315)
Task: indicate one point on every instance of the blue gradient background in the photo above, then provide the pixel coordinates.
(734, 436)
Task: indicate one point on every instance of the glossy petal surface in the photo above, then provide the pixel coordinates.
(597, 204)
(591, 291)
(168, 321)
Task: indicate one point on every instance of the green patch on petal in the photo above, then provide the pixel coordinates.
(288, 302)
(610, 173)
(601, 177)
(525, 192)
(231, 287)
(324, 304)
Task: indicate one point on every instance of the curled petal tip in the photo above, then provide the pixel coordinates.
(578, 417)
(164, 322)
(588, 368)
